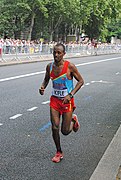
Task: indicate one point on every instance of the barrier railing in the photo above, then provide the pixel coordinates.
(18, 53)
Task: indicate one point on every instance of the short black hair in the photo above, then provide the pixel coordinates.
(62, 45)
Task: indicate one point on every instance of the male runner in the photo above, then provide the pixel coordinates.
(61, 72)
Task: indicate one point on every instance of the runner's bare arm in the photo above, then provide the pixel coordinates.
(75, 73)
(45, 81)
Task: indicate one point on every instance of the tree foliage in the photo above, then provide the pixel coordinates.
(56, 18)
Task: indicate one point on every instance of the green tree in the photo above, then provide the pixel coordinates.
(100, 15)
(56, 18)
(18, 15)
(60, 12)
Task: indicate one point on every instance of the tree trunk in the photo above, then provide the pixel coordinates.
(51, 36)
(54, 27)
(31, 26)
(51, 29)
(65, 34)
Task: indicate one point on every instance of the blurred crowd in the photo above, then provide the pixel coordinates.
(12, 46)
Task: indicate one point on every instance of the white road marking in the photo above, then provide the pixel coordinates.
(42, 72)
(94, 62)
(101, 81)
(87, 84)
(32, 109)
(46, 102)
(1, 124)
(15, 116)
(107, 82)
(117, 73)
(21, 76)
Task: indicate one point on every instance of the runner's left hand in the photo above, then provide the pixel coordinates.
(66, 99)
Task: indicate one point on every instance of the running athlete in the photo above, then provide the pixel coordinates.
(61, 72)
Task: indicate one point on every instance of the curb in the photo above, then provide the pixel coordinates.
(109, 167)
(38, 59)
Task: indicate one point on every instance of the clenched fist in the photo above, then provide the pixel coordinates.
(41, 90)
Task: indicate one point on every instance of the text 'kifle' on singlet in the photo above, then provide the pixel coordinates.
(61, 85)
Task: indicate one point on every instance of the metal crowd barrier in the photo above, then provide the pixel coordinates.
(18, 53)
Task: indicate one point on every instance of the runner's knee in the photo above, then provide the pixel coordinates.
(65, 132)
(55, 127)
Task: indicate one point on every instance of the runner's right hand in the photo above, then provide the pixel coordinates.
(41, 90)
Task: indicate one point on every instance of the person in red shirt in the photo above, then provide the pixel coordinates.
(62, 72)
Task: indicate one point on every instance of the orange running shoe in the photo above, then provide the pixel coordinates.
(58, 157)
(76, 125)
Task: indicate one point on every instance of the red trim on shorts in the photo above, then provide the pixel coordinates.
(57, 104)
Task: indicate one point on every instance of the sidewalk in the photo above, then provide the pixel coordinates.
(30, 58)
(109, 167)
(37, 58)
(25, 60)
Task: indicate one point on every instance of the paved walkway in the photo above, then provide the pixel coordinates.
(109, 167)
(37, 58)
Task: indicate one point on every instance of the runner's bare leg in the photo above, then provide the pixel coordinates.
(55, 120)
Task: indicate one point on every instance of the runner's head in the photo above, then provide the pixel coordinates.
(62, 46)
(58, 52)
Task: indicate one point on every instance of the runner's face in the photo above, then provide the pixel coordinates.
(58, 53)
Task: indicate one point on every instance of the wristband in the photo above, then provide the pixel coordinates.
(71, 96)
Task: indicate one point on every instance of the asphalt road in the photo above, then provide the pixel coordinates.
(26, 145)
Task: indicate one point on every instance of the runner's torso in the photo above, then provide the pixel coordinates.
(61, 85)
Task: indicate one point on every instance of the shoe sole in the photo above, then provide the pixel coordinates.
(58, 161)
(76, 129)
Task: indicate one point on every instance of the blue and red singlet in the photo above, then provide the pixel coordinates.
(61, 86)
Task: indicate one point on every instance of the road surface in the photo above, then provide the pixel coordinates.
(25, 132)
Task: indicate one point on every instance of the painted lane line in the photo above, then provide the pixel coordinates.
(32, 109)
(46, 102)
(94, 62)
(107, 82)
(96, 81)
(87, 84)
(15, 116)
(42, 72)
(1, 124)
(87, 98)
(21, 76)
(44, 127)
(117, 73)
(92, 81)
(101, 81)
